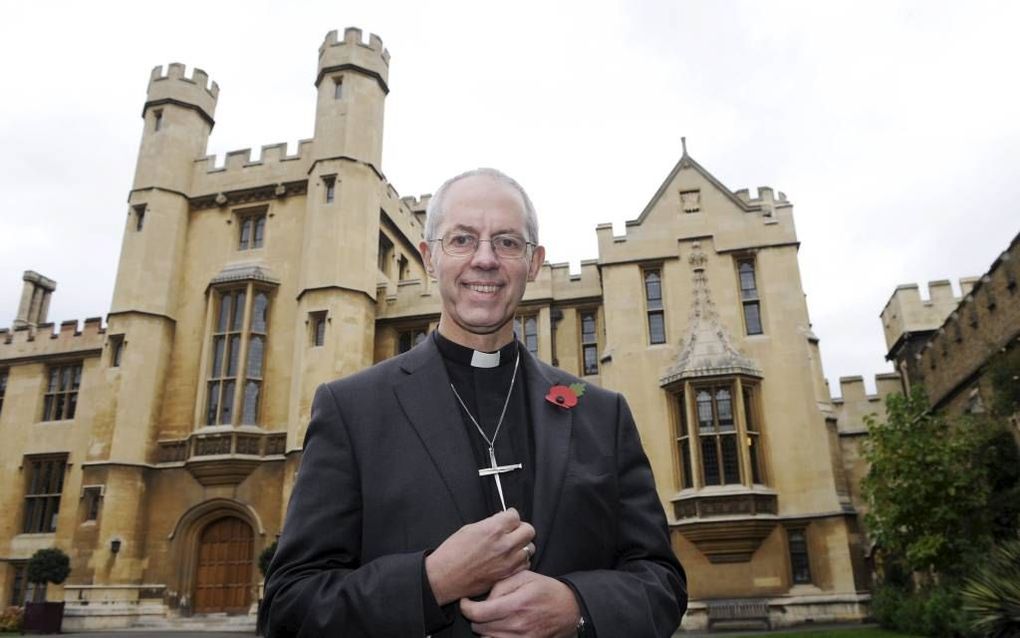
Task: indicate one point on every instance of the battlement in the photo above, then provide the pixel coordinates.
(906, 311)
(174, 86)
(765, 196)
(240, 159)
(354, 36)
(855, 404)
(419, 203)
(237, 170)
(43, 340)
(353, 51)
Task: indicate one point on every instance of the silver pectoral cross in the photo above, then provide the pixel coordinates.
(495, 470)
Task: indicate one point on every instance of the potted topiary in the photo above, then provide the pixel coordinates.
(49, 565)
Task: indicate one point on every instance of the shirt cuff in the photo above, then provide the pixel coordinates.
(434, 616)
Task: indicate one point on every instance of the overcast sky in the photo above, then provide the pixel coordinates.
(893, 127)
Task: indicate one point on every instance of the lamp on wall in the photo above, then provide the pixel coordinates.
(115, 545)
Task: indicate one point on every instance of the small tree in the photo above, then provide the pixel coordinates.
(50, 565)
(927, 488)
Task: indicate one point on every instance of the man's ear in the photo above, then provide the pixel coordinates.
(426, 256)
(537, 259)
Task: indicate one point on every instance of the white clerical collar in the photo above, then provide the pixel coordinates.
(484, 359)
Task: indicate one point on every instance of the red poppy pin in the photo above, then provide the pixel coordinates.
(565, 396)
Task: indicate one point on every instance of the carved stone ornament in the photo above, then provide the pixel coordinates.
(707, 348)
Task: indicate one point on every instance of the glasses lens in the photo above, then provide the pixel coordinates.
(508, 245)
(460, 244)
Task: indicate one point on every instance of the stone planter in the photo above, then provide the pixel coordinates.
(43, 618)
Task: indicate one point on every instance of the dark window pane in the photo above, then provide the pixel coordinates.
(706, 422)
(225, 304)
(656, 328)
(245, 233)
(681, 410)
(531, 335)
(58, 407)
(238, 311)
(724, 408)
(591, 360)
(748, 289)
(799, 561)
(47, 408)
(214, 402)
(72, 403)
(228, 402)
(710, 461)
(752, 444)
(255, 354)
(587, 327)
(653, 286)
(320, 331)
(54, 380)
(235, 348)
(405, 342)
(218, 343)
(731, 462)
(258, 312)
(685, 463)
(251, 402)
(752, 425)
(752, 318)
(260, 231)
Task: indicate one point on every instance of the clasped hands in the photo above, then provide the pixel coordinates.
(493, 555)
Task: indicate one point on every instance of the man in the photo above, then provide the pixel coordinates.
(463, 487)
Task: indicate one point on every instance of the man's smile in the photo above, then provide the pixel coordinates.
(487, 288)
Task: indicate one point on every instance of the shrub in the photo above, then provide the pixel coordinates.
(50, 565)
(992, 595)
(266, 557)
(934, 611)
(11, 619)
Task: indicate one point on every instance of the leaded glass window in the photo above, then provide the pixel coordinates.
(238, 354)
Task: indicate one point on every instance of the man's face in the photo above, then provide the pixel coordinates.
(480, 292)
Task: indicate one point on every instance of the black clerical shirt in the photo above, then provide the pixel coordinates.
(484, 391)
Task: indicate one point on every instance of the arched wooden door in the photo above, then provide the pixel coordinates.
(223, 579)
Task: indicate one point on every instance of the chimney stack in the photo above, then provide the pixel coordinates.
(35, 300)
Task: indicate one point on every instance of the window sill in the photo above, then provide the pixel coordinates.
(57, 422)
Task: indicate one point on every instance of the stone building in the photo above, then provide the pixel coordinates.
(159, 451)
(946, 343)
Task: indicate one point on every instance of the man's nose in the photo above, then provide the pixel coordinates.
(485, 255)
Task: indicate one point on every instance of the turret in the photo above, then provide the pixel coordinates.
(178, 115)
(352, 85)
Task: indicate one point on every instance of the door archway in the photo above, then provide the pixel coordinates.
(224, 567)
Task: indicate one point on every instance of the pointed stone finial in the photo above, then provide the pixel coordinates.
(683, 143)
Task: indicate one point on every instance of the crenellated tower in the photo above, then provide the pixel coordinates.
(346, 188)
(177, 120)
(351, 80)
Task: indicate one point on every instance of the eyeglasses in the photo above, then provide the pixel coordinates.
(505, 245)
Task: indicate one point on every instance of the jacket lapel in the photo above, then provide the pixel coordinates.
(552, 427)
(427, 402)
